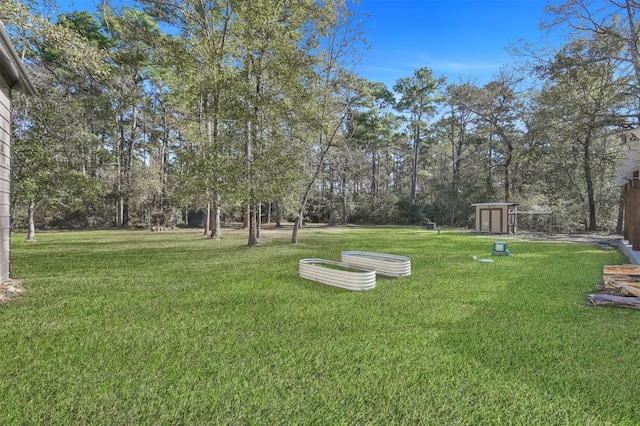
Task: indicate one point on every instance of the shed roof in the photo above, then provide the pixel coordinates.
(493, 204)
(11, 68)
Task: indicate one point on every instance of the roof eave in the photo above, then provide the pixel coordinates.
(497, 204)
(11, 67)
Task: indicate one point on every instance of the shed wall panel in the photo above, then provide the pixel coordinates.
(496, 221)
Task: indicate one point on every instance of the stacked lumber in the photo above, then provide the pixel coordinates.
(622, 280)
(621, 287)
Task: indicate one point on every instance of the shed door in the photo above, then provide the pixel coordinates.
(496, 221)
(491, 220)
(485, 220)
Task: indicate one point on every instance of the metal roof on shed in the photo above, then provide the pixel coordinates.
(494, 204)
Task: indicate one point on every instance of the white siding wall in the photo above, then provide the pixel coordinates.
(5, 180)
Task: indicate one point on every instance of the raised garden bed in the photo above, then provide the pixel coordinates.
(389, 265)
(337, 274)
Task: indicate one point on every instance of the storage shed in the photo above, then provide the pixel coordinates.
(13, 76)
(495, 218)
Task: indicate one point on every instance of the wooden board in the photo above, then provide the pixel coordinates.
(623, 290)
(618, 280)
(621, 270)
(622, 285)
(611, 300)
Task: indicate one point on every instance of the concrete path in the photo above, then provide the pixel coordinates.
(632, 255)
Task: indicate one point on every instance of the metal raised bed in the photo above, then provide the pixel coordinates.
(389, 265)
(337, 274)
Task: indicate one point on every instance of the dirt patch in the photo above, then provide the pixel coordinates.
(10, 290)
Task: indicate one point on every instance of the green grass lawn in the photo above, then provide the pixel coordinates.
(171, 328)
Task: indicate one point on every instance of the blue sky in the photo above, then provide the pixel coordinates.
(460, 39)
(455, 38)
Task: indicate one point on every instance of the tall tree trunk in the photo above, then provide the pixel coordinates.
(305, 195)
(212, 110)
(164, 203)
(489, 180)
(214, 221)
(414, 171)
(278, 215)
(455, 184)
(589, 181)
(207, 222)
(253, 224)
(374, 183)
(258, 220)
(269, 204)
(345, 212)
(507, 171)
(120, 178)
(247, 220)
(245, 216)
(299, 219)
(126, 220)
(296, 226)
(31, 236)
(118, 206)
(331, 198)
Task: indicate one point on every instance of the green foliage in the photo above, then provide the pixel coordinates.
(419, 92)
(244, 102)
(583, 150)
(139, 327)
(412, 210)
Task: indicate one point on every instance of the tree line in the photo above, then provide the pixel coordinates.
(252, 111)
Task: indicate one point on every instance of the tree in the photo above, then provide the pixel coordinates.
(52, 146)
(334, 91)
(497, 105)
(374, 130)
(201, 73)
(616, 23)
(274, 45)
(418, 94)
(582, 98)
(458, 127)
(134, 34)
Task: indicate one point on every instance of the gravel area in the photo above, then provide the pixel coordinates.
(10, 290)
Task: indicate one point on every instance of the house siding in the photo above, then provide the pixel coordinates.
(13, 77)
(5, 180)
